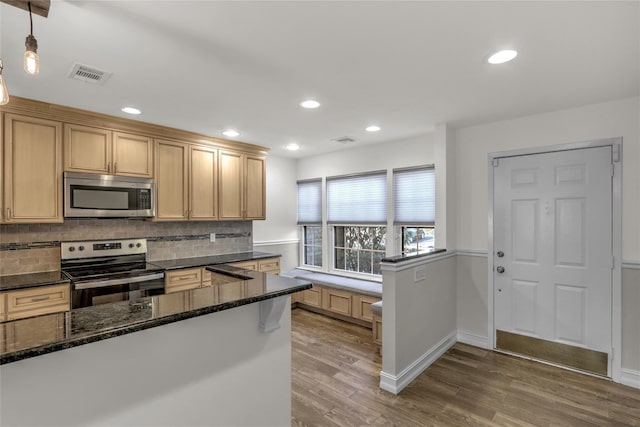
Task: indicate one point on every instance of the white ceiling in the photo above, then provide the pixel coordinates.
(209, 65)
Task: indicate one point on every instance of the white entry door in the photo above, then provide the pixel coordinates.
(553, 248)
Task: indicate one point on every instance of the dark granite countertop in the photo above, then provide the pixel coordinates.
(413, 255)
(174, 264)
(30, 280)
(55, 332)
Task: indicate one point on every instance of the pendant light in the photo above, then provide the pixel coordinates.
(31, 61)
(4, 94)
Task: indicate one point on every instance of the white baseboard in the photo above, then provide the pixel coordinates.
(630, 377)
(394, 384)
(473, 339)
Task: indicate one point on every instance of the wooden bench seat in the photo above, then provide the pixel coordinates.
(341, 297)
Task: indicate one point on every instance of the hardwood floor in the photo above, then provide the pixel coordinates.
(336, 375)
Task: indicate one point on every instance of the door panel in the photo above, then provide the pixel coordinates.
(552, 221)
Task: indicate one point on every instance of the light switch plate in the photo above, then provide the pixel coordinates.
(212, 237)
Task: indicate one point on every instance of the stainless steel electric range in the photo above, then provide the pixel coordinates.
(109, 271)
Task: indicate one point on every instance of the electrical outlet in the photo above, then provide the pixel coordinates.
(212, 237)
(420, 273)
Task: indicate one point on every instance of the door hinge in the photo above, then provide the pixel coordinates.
(615, 151)
(494, 162)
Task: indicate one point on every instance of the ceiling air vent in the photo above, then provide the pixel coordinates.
(89, 74)
(344, 140)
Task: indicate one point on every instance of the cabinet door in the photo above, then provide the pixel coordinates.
(171, 181)
(230, 185)
(132, 155)
(32, 169)
(203, 193)
(255, 188)
(87, 149)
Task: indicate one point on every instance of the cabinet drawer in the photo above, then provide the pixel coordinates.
(37, 301)
(337, 301)
(249, 265)
(182, 280)
(269, 265)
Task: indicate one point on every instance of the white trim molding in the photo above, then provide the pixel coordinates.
(633, 265)
(412, 262)
(473, 339)
(395, 384)
(630, 377)
(472, 252)
(277, 242)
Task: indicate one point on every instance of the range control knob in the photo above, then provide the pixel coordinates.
(81, 248)
(138, 245)
(131, 245)
(72, 248)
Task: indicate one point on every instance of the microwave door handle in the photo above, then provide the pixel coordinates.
(113, 282)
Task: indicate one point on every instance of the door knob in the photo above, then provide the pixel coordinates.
(500, 269)
(500, 254)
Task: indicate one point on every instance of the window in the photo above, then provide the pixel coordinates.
(359, 249)
(310, 218)
(312, 245)
(357, 207)
(417, 239)
(414, 204)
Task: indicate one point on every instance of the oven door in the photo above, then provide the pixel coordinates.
(90, 293)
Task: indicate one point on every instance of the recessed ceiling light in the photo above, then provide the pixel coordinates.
(502, 57)
(131, 110)
(373, 128)
(292, 147)
(309, 103)
(230, 133)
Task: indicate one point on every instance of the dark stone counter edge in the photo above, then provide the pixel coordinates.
(148, 324)
(181, 263)
(405, 257)
(18, 284)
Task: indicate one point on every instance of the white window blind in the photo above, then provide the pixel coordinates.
(310, 202)
(414, 196)
(357, 199)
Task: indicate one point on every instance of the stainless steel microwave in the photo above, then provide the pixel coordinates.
(88, 195)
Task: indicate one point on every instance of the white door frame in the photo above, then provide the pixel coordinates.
(616, 298)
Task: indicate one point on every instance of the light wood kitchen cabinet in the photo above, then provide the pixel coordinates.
(37, 301)
(242, 186)
(249, 265)
(182, 280)
(34, 332)
(311, 297)
(172, 183)
(3, 307)
(32, 171)
(337, 301)
(362, 307)
(269, 265)
(203, 183)
(186, 182)
(96, 150)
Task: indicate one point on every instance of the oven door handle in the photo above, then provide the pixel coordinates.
(113, 282)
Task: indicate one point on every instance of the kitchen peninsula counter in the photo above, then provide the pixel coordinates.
(60, 331)
(31, 280)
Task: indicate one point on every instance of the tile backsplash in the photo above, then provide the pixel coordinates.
(27, 248)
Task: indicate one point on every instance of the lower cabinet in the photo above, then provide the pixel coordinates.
(183, 280)
(33, 332)
(362, 307)
(30, 302)
(337, 301)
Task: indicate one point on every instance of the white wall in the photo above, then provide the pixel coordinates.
(281, 203)
(397, 154)
(214, 370)
(611, 119)
(419, 317)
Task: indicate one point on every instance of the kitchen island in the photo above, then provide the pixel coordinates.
(217, 355)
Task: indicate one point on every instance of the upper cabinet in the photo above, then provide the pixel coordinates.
(242, 186)
(95, 150)
(186, 181)
(32, 171)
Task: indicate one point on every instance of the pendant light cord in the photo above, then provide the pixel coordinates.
(30, 17)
